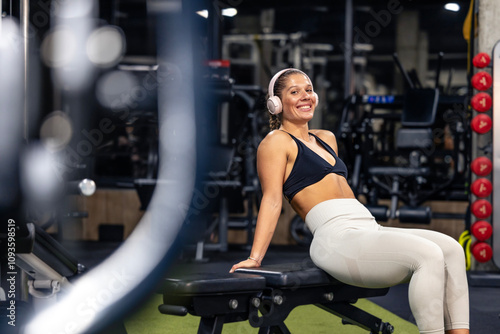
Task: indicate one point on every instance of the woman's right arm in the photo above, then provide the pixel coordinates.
(271, 165)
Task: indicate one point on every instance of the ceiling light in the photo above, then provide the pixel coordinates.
(229, 12)
(226, 12)
(203, 13)
(452, 6)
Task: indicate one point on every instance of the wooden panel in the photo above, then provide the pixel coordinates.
(110, 206)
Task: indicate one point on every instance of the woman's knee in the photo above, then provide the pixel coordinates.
(432, 255)
(453, 251)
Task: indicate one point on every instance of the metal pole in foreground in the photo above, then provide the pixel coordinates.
(25, 21)
(348, 50)
(113, 288)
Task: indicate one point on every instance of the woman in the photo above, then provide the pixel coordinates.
(348, 243)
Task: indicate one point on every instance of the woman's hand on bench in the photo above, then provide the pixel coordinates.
(248, 263)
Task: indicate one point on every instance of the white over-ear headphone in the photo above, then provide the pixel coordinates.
(274, 102)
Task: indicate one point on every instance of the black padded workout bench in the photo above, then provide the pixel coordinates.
(265, 297)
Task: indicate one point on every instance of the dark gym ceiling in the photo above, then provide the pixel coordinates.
(322, 20)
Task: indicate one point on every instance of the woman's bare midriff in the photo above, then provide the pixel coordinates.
(332, 186)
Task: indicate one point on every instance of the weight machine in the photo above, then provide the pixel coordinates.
(417, 154)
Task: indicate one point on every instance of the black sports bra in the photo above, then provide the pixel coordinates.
(310, 168)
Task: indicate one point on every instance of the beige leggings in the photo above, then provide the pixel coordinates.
(350, 245)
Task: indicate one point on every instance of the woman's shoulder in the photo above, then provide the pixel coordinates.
(275, 139)
(326, 135)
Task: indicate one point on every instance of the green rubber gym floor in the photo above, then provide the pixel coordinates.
(303, 319)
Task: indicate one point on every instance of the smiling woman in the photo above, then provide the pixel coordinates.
(348, 243)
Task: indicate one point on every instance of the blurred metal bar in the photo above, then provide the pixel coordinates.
(348, 47)
(496, 155)
(25, 21)
(214, 31)
(11, 86)
(264, 37)
(122, 280)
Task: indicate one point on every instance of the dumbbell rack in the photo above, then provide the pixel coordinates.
(485, 167)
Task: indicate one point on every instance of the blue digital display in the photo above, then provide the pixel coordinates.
(371, 99)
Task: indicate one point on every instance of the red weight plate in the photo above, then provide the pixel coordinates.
(481, 102)
(481, 60)
(481, 187)
(481, 208)
(482, 252)
(481, 80)
(481, 123)
(481, 166)
(482, 230)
